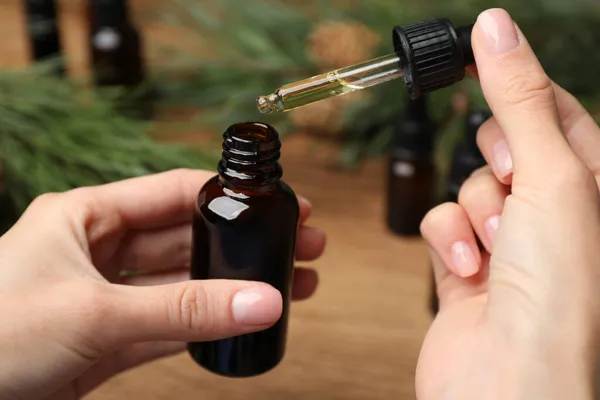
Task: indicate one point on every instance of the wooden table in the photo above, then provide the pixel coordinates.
(358, 338)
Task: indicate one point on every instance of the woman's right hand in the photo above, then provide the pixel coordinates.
(523, 323)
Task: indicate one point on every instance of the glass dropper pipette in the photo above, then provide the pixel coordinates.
(335, 83)
(429, 56)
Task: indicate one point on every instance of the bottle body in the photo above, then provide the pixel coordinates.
(116, 54)
(43, 29)
(411, 170)
(245, 233)
(411, 186)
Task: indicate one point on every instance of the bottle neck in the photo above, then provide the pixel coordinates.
(250, 158)
(45, 8)
(109, 12)
(475, 118)
(415, 131)
(416, 110)
(465, 161)
(43, 27)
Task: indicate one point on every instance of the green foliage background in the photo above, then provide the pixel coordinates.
(262, 45)
(57, 134)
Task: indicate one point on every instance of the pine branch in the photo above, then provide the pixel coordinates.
(56, 135)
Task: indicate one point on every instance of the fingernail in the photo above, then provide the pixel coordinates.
(499, 31)
(491, 227)
(463, 259)
(502, 159)
(259, 305)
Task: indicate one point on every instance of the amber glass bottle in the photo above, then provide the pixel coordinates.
(245, 226)
(411, 170)
(467, 158)
(43, 29)
(116, 54)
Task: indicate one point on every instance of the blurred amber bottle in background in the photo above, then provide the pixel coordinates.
(411, 170)
(116, 55)
(467, 158)
(43, 32)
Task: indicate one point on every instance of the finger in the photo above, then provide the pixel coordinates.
(148, 202)
(306, 281)
(482, 197)
(157, 278)
(580, 129)
(305, 209)
(495, 150)
(520, 95)
(141, 203)
(154, 250)
(310, 243)
(448, 231)
(192, 311)
(167, 248)
(141, 353)
(123, 360)
(451, 288)
(583, 133)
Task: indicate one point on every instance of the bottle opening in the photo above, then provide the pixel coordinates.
(251, 151)
(252, 138)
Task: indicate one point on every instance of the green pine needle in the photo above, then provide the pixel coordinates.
(55, 135)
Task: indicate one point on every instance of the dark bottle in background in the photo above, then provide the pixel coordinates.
(466, 159)
(244, 228)
(44, 32)
(116, 54)
(411, 170)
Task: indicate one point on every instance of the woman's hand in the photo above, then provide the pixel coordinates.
(69, 320)
(523, 323)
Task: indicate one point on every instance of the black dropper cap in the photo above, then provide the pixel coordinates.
(435, 54)
(416, 129)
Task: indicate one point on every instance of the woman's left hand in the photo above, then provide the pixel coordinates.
(69, 320)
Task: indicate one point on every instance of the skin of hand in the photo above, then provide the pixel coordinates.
(69, 320)
(519, 318)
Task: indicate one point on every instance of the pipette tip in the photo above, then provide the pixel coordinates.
(268, 104)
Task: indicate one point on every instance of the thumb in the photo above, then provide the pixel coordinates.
(522, 98)
(191, 311)
(554, 198)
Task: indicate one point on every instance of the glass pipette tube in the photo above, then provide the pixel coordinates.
(335, 83)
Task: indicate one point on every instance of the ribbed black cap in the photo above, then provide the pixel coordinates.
(435, 54)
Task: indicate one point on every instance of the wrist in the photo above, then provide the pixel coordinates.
(545, 355)
(526, 372)
(550, 371)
